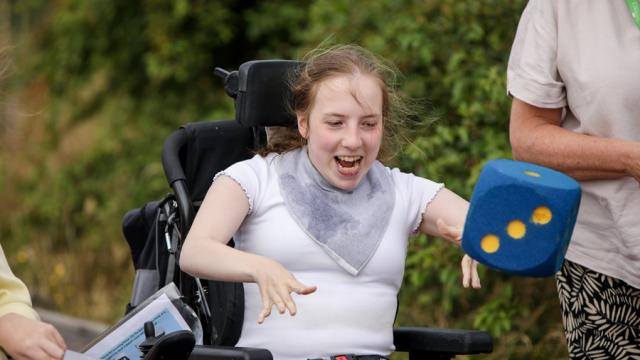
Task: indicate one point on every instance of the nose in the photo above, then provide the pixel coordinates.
(352, 137)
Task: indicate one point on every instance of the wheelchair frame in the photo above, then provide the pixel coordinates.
(256, 86)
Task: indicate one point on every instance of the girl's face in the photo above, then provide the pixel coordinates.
(344, 128)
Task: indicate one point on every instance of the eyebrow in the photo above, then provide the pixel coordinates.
(332, 114)
(338, 115)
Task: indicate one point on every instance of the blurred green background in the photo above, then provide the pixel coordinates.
(92, 87)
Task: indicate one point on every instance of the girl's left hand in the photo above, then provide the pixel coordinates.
(449, 232)
(470, 272)
(469, 266)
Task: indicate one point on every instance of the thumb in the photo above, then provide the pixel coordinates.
(302, 289)
(448, 231)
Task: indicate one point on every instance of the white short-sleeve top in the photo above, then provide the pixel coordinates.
(584, 56)
(347, 314)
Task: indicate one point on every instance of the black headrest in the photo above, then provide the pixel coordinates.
(263, 93)
(212, 147)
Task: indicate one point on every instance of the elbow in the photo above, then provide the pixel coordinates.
(186, 258)
(516, 142)
(523, 146)
(519, 150)
(518, 153)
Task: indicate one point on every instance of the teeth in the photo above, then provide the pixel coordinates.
(348, 158)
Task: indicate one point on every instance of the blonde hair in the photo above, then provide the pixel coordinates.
(321, 64)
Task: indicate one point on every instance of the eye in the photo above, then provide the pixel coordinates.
(334, 123)
(369, 124)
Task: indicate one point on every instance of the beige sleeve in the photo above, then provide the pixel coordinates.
(532, 72)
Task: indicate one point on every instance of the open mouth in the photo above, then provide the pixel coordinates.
(348, 165)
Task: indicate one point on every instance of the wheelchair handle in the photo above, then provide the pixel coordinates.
(171, 156)
(231, 83)
(176, 177)
(221, 73)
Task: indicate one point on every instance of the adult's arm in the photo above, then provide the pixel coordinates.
(14, 296)
(206, 255)
(537, 137)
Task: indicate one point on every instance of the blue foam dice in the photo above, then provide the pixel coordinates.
(521, 218)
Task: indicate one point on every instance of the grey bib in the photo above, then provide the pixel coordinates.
(347, 225)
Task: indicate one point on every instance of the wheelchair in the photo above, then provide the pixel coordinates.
(191, 156)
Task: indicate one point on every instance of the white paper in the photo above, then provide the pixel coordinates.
(72, 355)
(122, 343)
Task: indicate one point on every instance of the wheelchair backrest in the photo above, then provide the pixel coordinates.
(197, 151)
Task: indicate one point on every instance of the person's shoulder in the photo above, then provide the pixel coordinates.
(545, 9)
(547, 3)
(262, 167)
(408, 181)
(399, 178)
(398, 174)
(258, 161)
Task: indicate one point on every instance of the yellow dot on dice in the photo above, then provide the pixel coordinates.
(516, 229)
(490, 243)
(532, 173)
(541, 215)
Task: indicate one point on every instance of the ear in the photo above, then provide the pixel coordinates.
(303, 125)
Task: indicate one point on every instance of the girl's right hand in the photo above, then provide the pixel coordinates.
(276, 285)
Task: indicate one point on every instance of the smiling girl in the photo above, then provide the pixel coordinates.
(319, 219)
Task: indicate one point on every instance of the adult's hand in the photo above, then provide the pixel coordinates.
(27, 339)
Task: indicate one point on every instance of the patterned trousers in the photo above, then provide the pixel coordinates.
(600, 314)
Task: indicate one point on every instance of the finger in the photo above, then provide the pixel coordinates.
(466, 271)
(60, 341)
(452, 233)
(266, 311)
(299, 289)
(284, 294)
(35, 353)
(276, 297)
(291, 305)
(57, 338)
(52, 350)
(475, 277)
(266, 306)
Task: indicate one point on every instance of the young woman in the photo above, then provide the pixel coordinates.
(318, 216)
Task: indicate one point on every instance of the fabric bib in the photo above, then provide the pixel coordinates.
(347, 225)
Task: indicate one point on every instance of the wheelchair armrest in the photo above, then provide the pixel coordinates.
(211, 352)
(442, 341)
